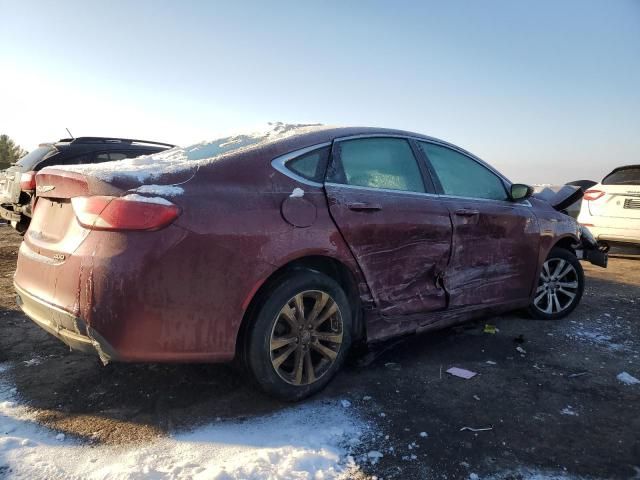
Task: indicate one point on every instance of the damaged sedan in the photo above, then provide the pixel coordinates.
(282, 249)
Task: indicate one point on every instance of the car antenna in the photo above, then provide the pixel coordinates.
(72, 137)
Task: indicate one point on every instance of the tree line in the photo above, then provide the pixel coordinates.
(10, 152)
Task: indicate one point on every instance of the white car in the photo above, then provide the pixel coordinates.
(611, 208)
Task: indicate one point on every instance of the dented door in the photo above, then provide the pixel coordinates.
(495, 241)
(400, 236)
(495, 252)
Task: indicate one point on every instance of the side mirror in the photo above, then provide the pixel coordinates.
(520, 191)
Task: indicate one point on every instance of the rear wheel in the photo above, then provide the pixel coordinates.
(299, 336)
(560, 286)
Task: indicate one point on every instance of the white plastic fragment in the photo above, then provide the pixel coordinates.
(297, 193)
(521, 350)
(568, 410)
(345, 403)
(424, 434)
(60, 437)
(627, 379)
(461, 372)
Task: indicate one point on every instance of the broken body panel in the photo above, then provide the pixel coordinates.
(182, 293)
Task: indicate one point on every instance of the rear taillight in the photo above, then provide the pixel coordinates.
(593, 194)
(28, 181)
(132, 212)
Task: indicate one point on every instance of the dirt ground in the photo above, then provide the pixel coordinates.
(569, 366)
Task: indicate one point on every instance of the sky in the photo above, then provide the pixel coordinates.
(546, 91)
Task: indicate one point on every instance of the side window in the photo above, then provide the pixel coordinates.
(113, 156)
(378, 163)
(101, 157)
(312, 165)
(59, 160)
(462, 176)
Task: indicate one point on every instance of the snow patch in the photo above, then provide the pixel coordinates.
(627, 379)
(160, 190)
(297, 193)
(310, 441)
(134, 197)
(177, 159)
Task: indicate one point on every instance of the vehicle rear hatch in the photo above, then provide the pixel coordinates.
(618, 196)
(615, 201)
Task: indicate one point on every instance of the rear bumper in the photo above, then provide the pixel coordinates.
(63, 325)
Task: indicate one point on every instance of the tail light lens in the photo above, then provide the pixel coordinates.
(593, 194)
(132, 212)
(28, 181)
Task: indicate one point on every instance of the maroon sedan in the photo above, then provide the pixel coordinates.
(284, 249)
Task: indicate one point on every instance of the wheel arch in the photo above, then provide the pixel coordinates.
(567, 242)
(330, 266)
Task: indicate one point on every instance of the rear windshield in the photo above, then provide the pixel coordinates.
(626, 176)
(30, 160)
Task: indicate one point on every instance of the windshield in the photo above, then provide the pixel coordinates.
(626, 176)
(30, 160)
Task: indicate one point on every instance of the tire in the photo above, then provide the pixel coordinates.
(560, 286)
(283, 369)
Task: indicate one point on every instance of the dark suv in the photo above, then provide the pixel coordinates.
(17, 183)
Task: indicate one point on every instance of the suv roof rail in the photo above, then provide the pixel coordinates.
(113, 140)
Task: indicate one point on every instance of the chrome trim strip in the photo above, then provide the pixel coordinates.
(425, 194)
(387, 190)
(279, 163)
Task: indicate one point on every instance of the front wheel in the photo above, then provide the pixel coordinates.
(560, 286)
(299, 336)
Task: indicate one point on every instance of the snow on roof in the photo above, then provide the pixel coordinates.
(182, 158)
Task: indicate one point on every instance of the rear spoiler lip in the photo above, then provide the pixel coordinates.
(561, 199)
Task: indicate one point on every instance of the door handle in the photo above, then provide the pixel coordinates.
(467, 212)
(362, 206)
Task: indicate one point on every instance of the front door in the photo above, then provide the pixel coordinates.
(398, 231)
(495, 241)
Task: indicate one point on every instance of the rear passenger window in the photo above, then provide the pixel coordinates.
(378, 163)
(462, 176)
(312, 165)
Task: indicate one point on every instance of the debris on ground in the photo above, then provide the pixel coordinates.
(345, 403)
(424, 434)
(568, 410)
(521, 350)
(461, 372)
(579, 374)
(488, 328)
(627, 379)
(478, 429)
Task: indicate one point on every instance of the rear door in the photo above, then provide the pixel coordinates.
(495, 241)
(383, 203)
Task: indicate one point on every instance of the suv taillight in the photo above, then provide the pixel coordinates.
(28, 181)
(132, 212)
(593, 194)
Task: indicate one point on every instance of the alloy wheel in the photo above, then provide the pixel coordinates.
(306, 337)
(558, 286)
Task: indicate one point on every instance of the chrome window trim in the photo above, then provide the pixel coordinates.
(279, 163)
(506, 203)
(387, 190)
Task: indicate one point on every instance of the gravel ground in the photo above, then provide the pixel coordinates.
(556, 410)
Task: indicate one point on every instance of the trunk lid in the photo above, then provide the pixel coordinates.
(54, 232)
